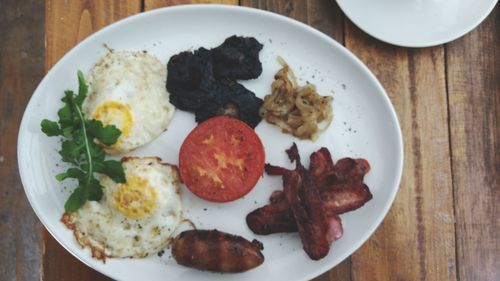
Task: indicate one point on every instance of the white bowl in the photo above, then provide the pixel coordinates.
(417, 23)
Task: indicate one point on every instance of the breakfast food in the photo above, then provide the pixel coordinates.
(133, 219)
(203, 81)
(221, 159)
(312, 200)
(135, 207)
(341, 185)
(217, 251)
(238, 58)
(233, 100)
(346, 170)
(127, 89)
(297, 110)
(305, 202)
(190, 80)
(277, 217)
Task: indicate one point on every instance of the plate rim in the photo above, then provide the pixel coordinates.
(227, 8)
(444, 40)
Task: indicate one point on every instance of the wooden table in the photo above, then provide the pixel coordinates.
(445, 222)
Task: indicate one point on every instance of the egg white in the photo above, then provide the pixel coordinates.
(110, 231)
(127, 89)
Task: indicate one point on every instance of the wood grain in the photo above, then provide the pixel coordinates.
(416, 239)
(66, 24)
(474, 103)
(21, 67)
(324, 15)
(69, 22)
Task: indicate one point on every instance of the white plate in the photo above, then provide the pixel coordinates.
(417, 23)
(365, 125)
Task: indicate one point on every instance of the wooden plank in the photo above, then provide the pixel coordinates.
(21, 67)
(474, 104)
(324, 15)
(154, 4)
(59, 264)
(416, 239)
(67, 23)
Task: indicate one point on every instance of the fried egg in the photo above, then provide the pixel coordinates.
(133, 219)
(127, 89)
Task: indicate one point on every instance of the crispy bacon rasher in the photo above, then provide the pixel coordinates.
(344, 197)
(346, 170)
(304, 199)
(275, 170)
(275, 217)
(339, 187)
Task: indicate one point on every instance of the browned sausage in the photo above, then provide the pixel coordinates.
(217, 251)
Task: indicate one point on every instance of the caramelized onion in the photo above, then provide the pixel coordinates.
(297, 110)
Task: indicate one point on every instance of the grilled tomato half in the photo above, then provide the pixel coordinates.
(222, 159)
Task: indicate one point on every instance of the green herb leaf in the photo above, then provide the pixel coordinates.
(82, 89)
(67, 132)
(94, 190)
(76, 199)
(73, 173)
(71, 151)
(108, 135)
(114, 170)
(80, 149)
(96, 152)
(50, 128)
(65, 117)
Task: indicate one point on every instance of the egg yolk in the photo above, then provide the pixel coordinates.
(135, 198)
(115, 113)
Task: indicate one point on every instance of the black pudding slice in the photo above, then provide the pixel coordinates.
(232, 99)
(238, 58)
(190, 79)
